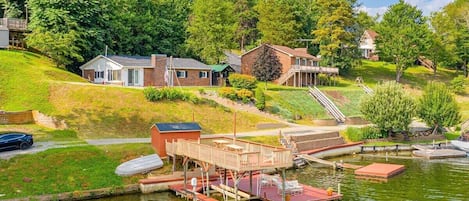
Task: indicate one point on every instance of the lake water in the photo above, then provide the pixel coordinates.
(446, 179)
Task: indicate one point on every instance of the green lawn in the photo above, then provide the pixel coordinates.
(42, 133)
(347, 99)
(69, 169)
(30, 81)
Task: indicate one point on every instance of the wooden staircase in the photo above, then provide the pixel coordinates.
(367, 89)
(311, 141)
(284, 78)
(327, 104)
(425, 62)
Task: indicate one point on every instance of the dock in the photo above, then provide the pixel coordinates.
(330, 163)
(380, 170)
(433, 153)
(269, 191)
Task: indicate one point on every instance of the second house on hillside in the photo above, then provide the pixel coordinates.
(154, 70)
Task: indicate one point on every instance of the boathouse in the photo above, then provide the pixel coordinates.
(168, 132)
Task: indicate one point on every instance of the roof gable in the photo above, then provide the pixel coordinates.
(221, 67)
(372, 34)
(177, 127)
(124, 60)
(97, 58)
(286, 50)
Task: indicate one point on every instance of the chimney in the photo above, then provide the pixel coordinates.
(302, 50)
(158, 62)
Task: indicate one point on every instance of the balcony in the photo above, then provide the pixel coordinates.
(236, 155)
(315, 69)
(14, 24)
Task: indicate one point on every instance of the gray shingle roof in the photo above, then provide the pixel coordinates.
(145, 61)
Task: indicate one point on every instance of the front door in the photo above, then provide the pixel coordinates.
(133, 77)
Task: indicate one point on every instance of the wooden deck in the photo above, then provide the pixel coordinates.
(325, 162)
(235, 155)
(270, 192)
(14, 24)
(380, 170)
(427, 153)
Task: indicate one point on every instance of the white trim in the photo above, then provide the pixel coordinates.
(82, 67)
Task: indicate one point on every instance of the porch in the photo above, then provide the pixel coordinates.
(302, 76)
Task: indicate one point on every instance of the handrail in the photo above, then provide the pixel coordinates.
(327, 104)
(14, 23)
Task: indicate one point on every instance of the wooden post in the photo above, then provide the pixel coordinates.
(234, 128)
(250, 181)
(235, 182)
(283, 184)
(185, 174)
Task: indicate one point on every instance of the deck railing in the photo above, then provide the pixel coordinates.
(14, 24)
(316, 69)
(252, 157)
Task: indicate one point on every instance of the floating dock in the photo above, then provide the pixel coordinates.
(380, 170)
(430, 153)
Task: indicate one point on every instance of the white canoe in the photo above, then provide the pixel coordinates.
(139, 165)
(461, 145)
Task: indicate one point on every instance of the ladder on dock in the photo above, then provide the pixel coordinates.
(325, 162)
(327, 104)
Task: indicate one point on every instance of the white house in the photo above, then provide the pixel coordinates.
(367, 45)
(154, 70)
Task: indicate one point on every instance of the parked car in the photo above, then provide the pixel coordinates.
(15, 140)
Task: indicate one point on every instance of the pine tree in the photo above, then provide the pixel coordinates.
(211, 29)
(267, 67)
(276, 24)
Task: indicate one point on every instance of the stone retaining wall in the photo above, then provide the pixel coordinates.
(31, 116)
(325, 122)
(356, 121)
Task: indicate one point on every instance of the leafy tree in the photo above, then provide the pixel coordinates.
(276, 24)
(83, 26)
(437, 106)
(402, 36)
(336, 41)
(211, 29)
(458, 84)
(267, 67)
(11, 9)
(390, 107)
(246, 32)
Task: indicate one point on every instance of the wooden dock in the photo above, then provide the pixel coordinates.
(325, 162)
(380, 170)
(429, 153)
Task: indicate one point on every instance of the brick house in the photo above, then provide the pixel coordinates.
(367, 45)
(156, 70)
(298, 67)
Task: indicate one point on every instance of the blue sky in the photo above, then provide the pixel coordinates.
(379, 6)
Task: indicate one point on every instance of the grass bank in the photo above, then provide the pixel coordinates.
(69, 169)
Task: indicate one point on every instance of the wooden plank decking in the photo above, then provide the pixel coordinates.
(380, 170)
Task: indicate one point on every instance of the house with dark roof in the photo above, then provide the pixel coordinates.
(367, 45)
(220, 73)
(154, 70)
(298, 67)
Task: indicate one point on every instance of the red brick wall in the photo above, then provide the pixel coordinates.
(148, 77)
(158, 139)
(192, 78)
(88, 74)
(247, 61)
(158, 61)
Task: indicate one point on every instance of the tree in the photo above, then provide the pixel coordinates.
(402, 36)
(336, 41)
(246, 32)
(211, 29)
(276, 24)
(260, 99)
(437, 106)
(390, 108)
(11, 9)
(267, 67)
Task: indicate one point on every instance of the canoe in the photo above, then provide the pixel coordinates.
(139, 165)
(462, 145)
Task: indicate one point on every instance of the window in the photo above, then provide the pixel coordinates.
(304, 62)
(203, 74)
(315, 63)
(181, 74)
(297, 61)
(98, 74)
(113, 75)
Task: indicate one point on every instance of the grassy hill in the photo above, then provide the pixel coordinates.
(30, 81)
(289, 101)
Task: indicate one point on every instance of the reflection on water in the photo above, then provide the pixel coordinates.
(445, 179)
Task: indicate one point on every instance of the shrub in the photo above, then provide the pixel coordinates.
(360, 134)
(153, 94)
(241, 81)
(458, 84)
(354, 134)
(202, 91)
(227, 92)
(244, 95)
(260, 99)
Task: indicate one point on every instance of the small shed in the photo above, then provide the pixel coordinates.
(220, 73)
(162, 132)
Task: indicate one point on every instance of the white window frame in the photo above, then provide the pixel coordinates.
(181, 74)
(114, 77)
(203, 74)
(99, 75)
